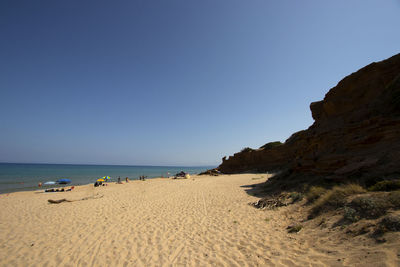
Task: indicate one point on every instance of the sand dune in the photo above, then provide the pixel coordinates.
(202, 221)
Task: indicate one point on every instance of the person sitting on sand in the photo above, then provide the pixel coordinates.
(127, 179)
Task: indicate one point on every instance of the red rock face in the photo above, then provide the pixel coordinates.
(356, 131)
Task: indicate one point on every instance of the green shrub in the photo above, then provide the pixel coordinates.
(350, 214)
(370, 207)
(388, 185)
(314, 193)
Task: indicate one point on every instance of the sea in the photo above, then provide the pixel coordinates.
(23, 177)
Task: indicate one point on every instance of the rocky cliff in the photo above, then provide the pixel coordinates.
(356, 132)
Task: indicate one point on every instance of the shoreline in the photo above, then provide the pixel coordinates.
(76, 186)
(25, 177)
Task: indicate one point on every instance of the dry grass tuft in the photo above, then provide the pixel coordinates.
(388, 185)
(335, 198)
(314, 193)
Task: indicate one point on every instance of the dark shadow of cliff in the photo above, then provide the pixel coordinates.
(286, 181)
(256, 190)
(289, 181)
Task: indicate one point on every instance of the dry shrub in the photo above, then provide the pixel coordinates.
(314, 193)
(296, 196)
(294, 228)
(335, 198)
(394, 199)
(388, 185)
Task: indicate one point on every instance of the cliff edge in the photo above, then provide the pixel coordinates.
(355, 134)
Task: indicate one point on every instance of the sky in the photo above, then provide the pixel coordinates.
(174, 82)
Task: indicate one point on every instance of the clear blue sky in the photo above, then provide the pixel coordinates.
(174, 82)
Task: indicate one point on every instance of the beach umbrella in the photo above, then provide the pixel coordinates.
(49, 183)
(100, 180)
(106, 178)
(63, 181)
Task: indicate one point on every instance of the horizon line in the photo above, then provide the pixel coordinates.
(96, 164)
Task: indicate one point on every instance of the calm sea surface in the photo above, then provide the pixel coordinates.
(22, 177)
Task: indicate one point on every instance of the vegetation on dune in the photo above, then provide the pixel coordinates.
(394, 198)
(387, 185)
(294, 228)
(314, 193)
(296, 196)
(390, 223)
(335, 198)
(355, 204)
(370, 207)
(374, 211)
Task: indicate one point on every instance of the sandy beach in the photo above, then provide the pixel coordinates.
(201, 221)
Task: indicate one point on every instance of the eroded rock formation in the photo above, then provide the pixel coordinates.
(356, 131)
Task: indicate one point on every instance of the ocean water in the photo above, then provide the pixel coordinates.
(23, 177)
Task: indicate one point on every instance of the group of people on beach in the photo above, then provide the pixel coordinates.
(100, 183)
(59, 189)
(119, 180)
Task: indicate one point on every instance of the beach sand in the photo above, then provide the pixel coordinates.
(201, 221)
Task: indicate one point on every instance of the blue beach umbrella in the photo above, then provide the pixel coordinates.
(63, 181)
(106, 178)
